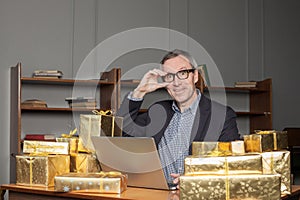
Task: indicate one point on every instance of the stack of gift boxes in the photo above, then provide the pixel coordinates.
(70, 163)
(256, 168)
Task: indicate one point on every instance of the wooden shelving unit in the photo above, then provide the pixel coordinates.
(260, 103)
(108, 87)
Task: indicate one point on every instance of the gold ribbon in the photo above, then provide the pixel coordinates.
(30, 170)
(109, 174)
(71, 134)
(227, 179)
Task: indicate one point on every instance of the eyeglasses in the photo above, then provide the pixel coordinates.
(182, 74)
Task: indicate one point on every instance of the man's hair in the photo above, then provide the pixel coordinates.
(177, 52)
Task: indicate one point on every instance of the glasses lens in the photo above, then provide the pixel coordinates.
(168, 78)
(182, 74)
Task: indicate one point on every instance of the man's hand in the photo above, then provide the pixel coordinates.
(176, 179)
(149, 83)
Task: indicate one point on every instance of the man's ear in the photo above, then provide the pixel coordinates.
(196, 76)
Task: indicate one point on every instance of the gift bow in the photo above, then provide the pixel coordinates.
(72, 132)
(101, 112)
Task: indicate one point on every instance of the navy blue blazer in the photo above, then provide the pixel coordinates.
(213, 121)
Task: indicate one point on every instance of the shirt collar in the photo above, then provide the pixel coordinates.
(192, 108)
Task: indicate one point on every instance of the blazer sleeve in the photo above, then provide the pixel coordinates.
(230, 130)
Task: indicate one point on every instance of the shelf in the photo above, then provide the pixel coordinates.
(234, 89)
(50, 81)
(246, 113)
(57, 109)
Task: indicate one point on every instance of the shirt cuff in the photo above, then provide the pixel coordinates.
(132, 98)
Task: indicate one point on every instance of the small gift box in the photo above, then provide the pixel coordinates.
(258, 142)
(36, 147)
(71, 139)
(280, 138)
(103, 182)
(40, 170)
(218, 148)
(101, 124)
(246, 164)
(84, 163)
(279, 162)
(211, 148)
(230, 187)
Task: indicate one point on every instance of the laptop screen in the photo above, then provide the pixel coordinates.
(135, 156)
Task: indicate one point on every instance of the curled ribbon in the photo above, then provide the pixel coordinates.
(71, 134)
(101, 112)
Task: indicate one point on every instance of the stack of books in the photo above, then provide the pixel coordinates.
(34, 103)
(47, 74)
(82, 102)
(245, 84)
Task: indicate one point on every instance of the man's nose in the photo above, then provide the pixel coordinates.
(176, 81)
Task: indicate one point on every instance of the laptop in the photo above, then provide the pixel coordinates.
(135, 156)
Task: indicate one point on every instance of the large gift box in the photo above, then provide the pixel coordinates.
(259, 142)
(84, 163)
(37, 147)
(279, 162)
(246, 164)
(41, 170)
(230, 187)
(104, 182)
(99, 125)
(280, 138)
(217, 148)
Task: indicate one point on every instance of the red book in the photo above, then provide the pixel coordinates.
(48, 137)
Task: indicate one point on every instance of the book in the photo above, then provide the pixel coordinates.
(48, 137)
(34, 103)
(204, 74)
(47, 73)
(80, 99)
(131, 81)
(245, 84)
(92, 104)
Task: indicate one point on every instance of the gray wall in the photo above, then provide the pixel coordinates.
(248, 40)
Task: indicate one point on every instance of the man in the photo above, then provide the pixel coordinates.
(176, 123)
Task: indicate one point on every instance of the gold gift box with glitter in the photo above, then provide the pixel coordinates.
(217, 148)
(230, 187)
(84, 163)
(279, 162)
(103, 182)
(100, 124)
(40, 170)
(280, 138)
(37, 147)
(246, 164)
(259, 142)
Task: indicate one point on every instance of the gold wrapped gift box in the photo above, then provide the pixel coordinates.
(246, 164)
(33, 146)
(225, 187)
(99, 125)
(75, 145)
(259, 142)
(217, 148)
(104, 182)
(84, 163)
(208, 148)
(280, 138)
(40, 170)
(279, 162)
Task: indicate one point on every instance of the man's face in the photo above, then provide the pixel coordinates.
(183, 91)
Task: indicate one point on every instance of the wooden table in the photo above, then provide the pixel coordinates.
(17, 192)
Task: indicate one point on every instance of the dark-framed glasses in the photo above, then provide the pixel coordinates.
(182, 74)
